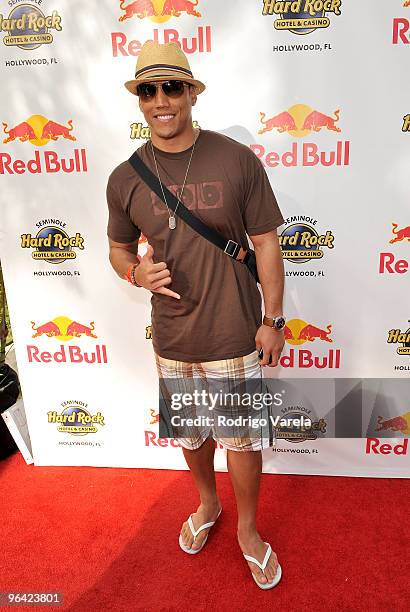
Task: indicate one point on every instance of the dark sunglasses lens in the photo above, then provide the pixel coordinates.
(173, 89)
(147, 91)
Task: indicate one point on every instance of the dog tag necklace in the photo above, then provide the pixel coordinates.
(171, 220)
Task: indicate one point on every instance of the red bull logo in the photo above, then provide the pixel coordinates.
(39, 131)
(399, 424)
(298, 332)
(64, 329)
(397, 336)
(28, 28)
(158, 10)
(300, 120)
(301, 16)
(388, 263)
(75, 419)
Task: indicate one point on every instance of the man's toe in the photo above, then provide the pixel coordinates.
(198, 541)
(186, 536)
(259, 575)
(271, 568)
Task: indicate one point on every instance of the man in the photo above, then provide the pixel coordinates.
(206, 306)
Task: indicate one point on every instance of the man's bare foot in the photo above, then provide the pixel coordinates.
(204, 514)
(252, 544)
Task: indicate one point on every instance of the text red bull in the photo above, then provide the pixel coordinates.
(152, 439)
(201, 43)
(388, 263)
(68, 354)
(401, 27)
(48, 162)
(307, 154)
(374, 447)
(304, 358)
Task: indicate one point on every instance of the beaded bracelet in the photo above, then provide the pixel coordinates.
(130, 275)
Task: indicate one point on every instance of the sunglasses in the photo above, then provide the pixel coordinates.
(172, 89)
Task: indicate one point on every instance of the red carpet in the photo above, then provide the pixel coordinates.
(107, 539)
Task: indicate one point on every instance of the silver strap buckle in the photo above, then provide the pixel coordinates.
(236, 245)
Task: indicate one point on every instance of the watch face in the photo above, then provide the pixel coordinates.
(280, 323)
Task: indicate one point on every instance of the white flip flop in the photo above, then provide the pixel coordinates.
(262, 566)
(194, 551)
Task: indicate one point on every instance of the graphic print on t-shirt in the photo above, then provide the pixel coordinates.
(196, 196)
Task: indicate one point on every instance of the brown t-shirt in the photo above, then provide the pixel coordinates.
(227, 187)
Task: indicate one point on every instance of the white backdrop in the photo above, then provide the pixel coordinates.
(335, 102)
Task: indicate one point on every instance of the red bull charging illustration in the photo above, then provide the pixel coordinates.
(298, 332)
(38, 130)
(400, 424)
(300, 120)
(63, 329)
(155, 8)
(401, 234)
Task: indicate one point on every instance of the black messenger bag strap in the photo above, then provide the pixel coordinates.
(230, 247)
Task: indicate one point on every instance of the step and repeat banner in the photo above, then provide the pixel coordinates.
(318, 90)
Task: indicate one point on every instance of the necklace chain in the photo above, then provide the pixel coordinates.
(171, 220)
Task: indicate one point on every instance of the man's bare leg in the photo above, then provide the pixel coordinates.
(201, 465)
(245, 472)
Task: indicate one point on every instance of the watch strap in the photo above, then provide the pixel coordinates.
(270, 322)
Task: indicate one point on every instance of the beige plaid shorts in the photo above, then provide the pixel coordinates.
(241, 438)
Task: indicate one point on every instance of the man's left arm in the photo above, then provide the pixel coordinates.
(272, 277)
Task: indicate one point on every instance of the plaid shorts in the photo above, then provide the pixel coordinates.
(243, 438)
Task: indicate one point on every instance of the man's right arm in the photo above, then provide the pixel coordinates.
(122, 255)
(150, 275)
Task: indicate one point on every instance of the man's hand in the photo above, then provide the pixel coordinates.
(271, 341)
(154, 276)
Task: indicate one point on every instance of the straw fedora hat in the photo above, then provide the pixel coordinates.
(162, 62)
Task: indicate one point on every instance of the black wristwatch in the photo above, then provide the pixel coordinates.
(275, 322)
